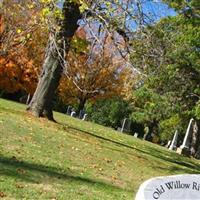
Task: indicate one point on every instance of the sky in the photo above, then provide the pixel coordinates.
(155, 10)
(158, 9)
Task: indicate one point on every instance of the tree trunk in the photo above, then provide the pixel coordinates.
(81, 105)
(195, 139)
(196, 129)
(42, 101)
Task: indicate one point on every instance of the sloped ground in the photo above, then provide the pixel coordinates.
(76, 160)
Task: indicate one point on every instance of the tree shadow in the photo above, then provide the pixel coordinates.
(176, 159)
(192, 167)
(35, 173)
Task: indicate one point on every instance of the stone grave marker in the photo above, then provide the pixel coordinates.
(84, 117)
(185, 147)
(73, 114)
(173, 144)
(136, 135)
(168, 144)
(69, 109)
(123, 125)
(177, 187)
(126, 126)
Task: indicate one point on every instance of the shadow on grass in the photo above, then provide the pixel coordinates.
(176, 159)
(189, 165)
(36, 173)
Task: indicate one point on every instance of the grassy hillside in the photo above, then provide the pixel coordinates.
(74, 159)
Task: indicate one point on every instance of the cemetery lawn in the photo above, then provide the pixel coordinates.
(76, 160)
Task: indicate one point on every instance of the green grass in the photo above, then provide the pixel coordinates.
(74, 159)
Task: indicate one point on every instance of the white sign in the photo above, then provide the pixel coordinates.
(179, 187)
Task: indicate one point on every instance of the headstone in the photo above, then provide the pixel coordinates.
(69, 108)
(168, 144)
(126, 126)
(123, 125)
(178, 187)
(84, 117)
(73, 114)
(145, 136)
(146, 132)
(185, 147)
(136, 135)
(173, 145)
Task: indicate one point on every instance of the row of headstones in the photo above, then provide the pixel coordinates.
(81, 115)
(172, 145)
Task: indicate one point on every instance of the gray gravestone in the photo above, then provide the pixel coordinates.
(73, 114)
(178, 187)
(69, 108)
(168, 143)
(136, 135)
(126, 126)
(84, 117)
(185, 147)
(173, 145)
(123, 125)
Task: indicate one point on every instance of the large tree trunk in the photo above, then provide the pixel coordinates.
(81, 105)
(42, 101)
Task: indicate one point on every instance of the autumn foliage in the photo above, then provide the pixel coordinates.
(21, 48)
(88, 76)
(94, 76)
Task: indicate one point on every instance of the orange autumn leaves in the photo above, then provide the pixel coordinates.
(17, 73)
(21, 61)
(22, 44)
(97, 76)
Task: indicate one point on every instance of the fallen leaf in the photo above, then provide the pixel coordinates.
(2, 194)
(21, 171)
(19, 185)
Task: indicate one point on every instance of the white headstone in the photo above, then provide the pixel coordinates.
(185, 147)
(123, 125)
(73, 113)
(84, 117)
(178, 187)
(136, 135)
(168, 144)
(186, 141)
(173, 145)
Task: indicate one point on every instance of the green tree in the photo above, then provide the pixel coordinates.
(108, 112)
(169, 54)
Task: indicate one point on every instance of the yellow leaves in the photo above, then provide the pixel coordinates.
(30, 6)
(45, 1)
(58, 14)
(83, 6)
(108, 160)
(79, 45)
(28, 35)
(19, 185)
(107, 3)
(19, 31)
(75, 148)
(46, 11)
